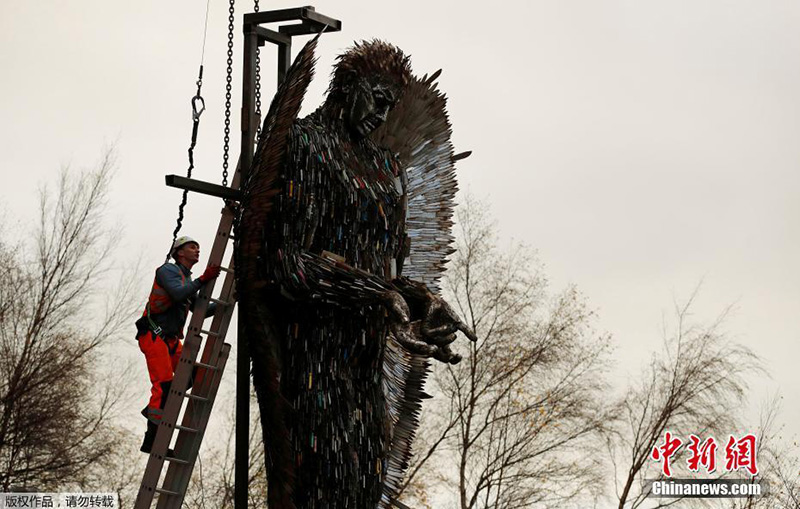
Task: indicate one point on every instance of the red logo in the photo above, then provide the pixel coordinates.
(704, 454)
(739, 453)
(666, 452)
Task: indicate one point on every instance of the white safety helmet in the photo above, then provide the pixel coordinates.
(180, 242)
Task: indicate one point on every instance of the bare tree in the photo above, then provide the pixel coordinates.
(120, 473)
(783, 478)
(694, 385)
(510, 425)
(779, 466)
(55, 412)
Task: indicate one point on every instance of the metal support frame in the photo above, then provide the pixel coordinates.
(215, 352)
(311, 22)
(255, 36)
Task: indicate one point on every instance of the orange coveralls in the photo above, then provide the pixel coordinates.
(160, 330)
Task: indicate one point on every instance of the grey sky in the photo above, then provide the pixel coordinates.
(640, 146)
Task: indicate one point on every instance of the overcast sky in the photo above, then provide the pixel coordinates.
(640, 146)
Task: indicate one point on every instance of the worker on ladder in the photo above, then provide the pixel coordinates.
(160, 329)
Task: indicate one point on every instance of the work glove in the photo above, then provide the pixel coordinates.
(212, 271)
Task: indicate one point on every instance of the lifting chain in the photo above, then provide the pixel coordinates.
(228, 80)
(258, 82)
(198, 106)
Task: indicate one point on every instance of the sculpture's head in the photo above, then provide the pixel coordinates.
(367, 82)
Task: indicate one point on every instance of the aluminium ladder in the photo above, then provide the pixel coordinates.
(199, 398)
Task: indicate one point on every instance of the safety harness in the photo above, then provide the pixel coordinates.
(158, 302)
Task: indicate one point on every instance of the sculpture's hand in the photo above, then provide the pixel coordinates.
(410, 337)
(432, 335)
(440, 323)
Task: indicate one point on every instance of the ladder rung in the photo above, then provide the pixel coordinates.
(163, 491)
(227, 269)
(195, 397)
(186, 428)
(220, 302)
(176, 460)
(204, 365)
(209, 333)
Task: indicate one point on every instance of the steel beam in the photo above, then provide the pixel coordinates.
(249, 120)
(276, 16)
(199, 186)
(315, 21)
(284, 61)
(272, 36)
(304, 28)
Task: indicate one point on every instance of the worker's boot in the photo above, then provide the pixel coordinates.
(150, 437)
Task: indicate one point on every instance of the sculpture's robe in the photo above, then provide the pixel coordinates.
(344, 200)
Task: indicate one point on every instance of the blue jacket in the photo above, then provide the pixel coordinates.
(182, 290)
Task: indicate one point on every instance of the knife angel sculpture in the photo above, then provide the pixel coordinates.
(341, 239)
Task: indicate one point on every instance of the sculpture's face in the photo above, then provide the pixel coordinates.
(367, 103)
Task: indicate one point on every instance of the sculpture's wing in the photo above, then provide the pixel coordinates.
(261, 184)
(404, 376)
(258, 324)
(418, 130)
